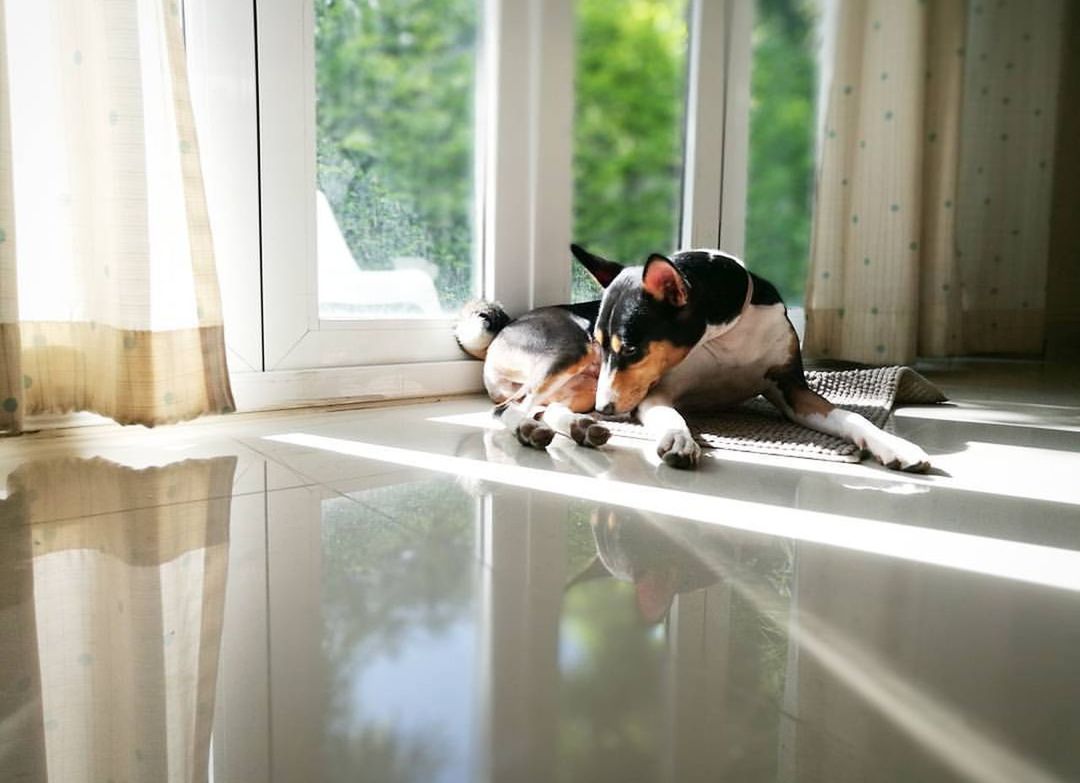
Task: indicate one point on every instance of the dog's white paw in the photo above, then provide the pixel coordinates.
(898, 454)
(678, 449)
(587, 431)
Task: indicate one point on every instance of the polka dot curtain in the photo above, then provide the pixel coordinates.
(932, 215)
(109, 298)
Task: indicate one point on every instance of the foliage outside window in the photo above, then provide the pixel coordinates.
(630, 94)
(781, 176)
(394, 132)
(396, 84)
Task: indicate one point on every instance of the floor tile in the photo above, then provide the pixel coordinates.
(405, 593)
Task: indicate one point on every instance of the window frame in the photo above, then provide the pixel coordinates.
(295, 337)
(717, 102)
(252, 62)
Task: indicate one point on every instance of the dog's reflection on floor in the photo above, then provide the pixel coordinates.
(635, 548)
(660, 556)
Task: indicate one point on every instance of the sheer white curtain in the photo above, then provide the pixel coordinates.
(109, 298)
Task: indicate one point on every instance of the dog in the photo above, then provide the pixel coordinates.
(693, 332)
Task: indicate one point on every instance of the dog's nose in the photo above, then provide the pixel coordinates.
(608, 409)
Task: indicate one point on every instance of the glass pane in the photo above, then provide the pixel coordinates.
(394, 124)
(783, 88)
(628, 129)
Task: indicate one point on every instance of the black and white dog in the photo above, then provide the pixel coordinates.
(696, 331)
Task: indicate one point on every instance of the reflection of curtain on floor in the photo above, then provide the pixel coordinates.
(936, 161)
(109, 299)
(112, 589)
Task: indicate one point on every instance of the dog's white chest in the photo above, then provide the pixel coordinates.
(729, 366)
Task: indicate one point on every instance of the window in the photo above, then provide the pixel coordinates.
(395, 222)
(366, 142)
(630, 93)
(370, 166)
(782, 118)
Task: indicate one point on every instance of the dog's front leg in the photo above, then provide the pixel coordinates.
(810, 409)
(674, 443)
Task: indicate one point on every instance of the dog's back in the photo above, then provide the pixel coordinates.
(547, 355)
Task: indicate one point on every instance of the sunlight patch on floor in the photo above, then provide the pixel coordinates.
(1032, 563)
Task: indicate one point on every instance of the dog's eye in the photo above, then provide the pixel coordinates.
(629, 350)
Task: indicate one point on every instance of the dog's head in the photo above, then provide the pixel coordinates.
(641, 550)
(645, 327)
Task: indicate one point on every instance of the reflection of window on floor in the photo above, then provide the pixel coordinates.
(783, 89)
(630, 83)
(611, 703)
(399, 631)
(394, 123)
(632, 669)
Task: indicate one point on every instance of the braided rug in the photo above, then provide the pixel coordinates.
(757, 426)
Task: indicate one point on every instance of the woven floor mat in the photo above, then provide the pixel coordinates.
(758, 427)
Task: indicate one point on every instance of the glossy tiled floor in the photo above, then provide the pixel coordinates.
(403, 594)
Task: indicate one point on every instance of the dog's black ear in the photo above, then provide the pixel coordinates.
(602, 270)
(663, 282)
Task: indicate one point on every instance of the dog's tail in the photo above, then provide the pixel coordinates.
(477, 326)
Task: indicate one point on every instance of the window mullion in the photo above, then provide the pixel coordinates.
(526, 132)
(717, 125)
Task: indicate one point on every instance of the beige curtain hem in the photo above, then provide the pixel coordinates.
(133, 376)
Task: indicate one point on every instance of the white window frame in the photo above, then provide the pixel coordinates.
(295, 337)
(717, 146)
(252, 64)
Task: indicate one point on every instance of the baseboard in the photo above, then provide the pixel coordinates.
(257, 391)
(332, 386)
